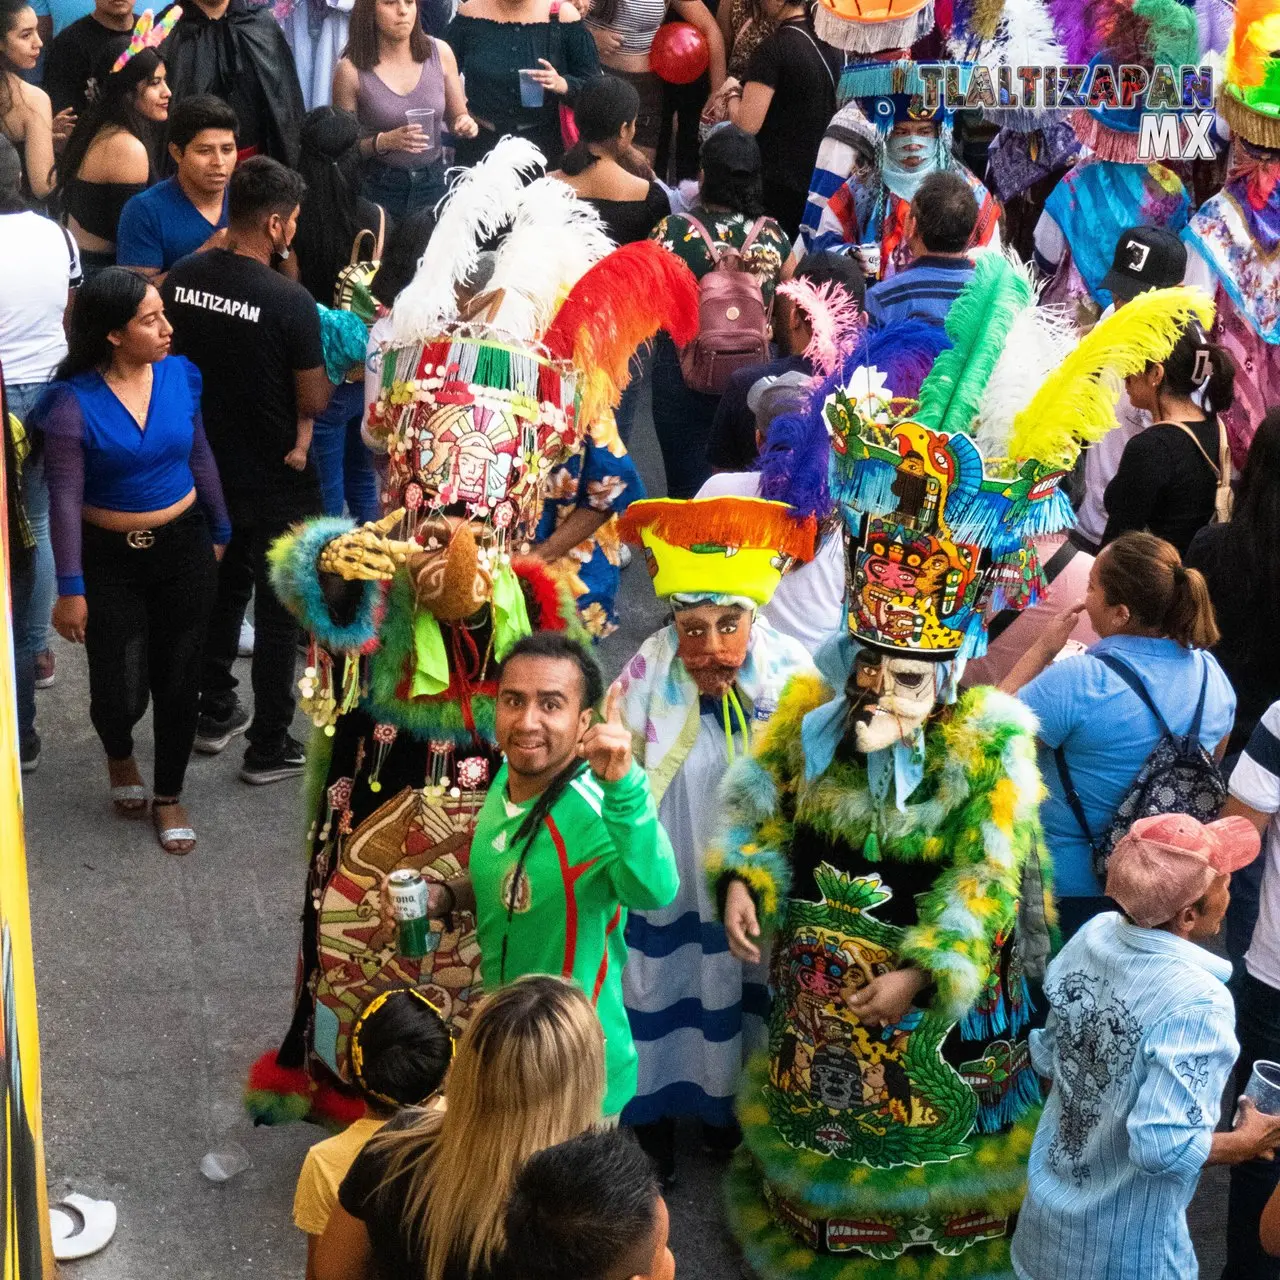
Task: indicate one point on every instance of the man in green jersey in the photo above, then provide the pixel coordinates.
(567, 840)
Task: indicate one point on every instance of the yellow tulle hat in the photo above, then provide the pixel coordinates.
(723, 546)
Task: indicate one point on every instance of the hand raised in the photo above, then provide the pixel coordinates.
(606, 747)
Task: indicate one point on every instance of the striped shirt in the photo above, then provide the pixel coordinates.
(924, 290)
(1255, 781)
(1139, 1043)
(635, 22)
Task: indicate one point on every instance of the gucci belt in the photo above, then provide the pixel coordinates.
(140, 539)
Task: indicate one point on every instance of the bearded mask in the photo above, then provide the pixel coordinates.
(452, 575)
(712, 643)
(891, 698)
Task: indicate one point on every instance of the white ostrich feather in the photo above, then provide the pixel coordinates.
(1039, 340)
(479, 204)
(1023, 37)
(553, 240)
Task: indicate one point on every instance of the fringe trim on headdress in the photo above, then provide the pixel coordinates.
(1106, 144)
(872, 37)
(877, 79)
(1252, 126)
(729, 522)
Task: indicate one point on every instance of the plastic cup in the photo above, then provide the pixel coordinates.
(425, 119)
(1264, 1086)
(531, 92)
(223, 1163)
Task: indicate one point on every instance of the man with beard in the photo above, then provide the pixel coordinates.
(693, 698)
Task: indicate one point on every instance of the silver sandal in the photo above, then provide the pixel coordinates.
(172, 835)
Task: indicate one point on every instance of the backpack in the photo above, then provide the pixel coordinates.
(351, 292)
(733, 321)
(1179, 776)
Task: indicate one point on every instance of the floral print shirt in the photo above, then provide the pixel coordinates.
(765, 259)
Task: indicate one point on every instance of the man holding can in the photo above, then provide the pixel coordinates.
(1138, 1046)
(567, 840)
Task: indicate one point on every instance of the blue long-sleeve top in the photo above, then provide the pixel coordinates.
(1139, 1043)
(96, 455)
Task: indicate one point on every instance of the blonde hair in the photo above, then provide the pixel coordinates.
(528, 1073)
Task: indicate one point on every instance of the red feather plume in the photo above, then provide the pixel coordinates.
(620, 303)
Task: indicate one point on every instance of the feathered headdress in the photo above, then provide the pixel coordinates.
(147, 34)
(481, 202)
(1077, 401)
(618, 305)
(835, 321)
(1250, 100)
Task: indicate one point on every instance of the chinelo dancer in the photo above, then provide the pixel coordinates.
(481, 394)
(884, 835)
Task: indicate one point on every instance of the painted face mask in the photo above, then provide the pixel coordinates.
(712, 643)
(892, 698)
(453, 574)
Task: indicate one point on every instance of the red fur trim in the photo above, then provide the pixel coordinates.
(269, 1076)
(541, 593)
(334, 1104)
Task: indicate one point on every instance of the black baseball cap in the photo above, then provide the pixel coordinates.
(1146, 258)
(732, 150)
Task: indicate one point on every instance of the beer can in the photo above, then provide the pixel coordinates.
(408, 892)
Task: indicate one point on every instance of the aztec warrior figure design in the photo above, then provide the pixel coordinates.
(481, 397)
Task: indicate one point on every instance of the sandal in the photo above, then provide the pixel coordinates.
(130, 796)
(174, 840)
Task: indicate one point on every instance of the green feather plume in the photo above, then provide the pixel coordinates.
(1077, 401)
(1173, 38)
(977, 324)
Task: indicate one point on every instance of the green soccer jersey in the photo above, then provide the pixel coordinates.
(600, 851)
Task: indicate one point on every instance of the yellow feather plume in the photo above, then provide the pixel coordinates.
(1077, 402)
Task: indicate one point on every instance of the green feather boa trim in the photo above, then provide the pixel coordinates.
(775, 1254)
(993, 1177)
(314, 777)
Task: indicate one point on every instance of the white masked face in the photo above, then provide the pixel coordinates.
(895, 696)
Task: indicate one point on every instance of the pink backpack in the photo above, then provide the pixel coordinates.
(733, 321)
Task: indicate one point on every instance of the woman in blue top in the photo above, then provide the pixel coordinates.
(1155, 617)
(134, 499)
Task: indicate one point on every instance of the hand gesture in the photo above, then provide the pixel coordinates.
(367, 554)
(607, 42)
(741, 923)
(64, 124)
(1261, 1132)
(886, 999)
(408, 137)
(549, 78)
(465, 127)
(1059, 631)
(607, 746)
(70, 617)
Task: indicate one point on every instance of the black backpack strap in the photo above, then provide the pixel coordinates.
(1193, 733)
(1071, 796)
(1134, 681)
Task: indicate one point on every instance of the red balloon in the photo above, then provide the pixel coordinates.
(679, 54)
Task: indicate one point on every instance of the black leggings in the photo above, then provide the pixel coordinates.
(148, 608)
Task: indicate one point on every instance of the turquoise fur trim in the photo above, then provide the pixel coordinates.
(748, 793)
(992, 1177)
(297, 582)
(766, 872)
(773, 1253)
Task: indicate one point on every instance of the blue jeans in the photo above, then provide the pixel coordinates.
(625, 414)
(342, 460)
(44, 587)
(403, 191)
(682, 420)
(21, 580)
(1258, 1030)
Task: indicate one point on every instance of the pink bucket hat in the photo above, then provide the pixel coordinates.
(1168, 861)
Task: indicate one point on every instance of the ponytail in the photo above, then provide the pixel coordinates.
(578, 159)
(1190, 619)
(1146, 575)
(1219, 392)
(1196, 364)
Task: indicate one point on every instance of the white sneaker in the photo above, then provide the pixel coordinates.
(246, 639)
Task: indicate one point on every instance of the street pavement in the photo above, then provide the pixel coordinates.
(161, 979)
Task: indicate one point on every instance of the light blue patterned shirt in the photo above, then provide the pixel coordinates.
(1139, 1043)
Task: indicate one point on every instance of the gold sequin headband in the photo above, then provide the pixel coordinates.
(356, 1052)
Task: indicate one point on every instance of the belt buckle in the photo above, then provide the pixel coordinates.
(140, 539)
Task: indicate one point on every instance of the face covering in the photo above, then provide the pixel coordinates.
(902, 149)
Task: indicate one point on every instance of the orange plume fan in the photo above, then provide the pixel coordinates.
(1247, 55)
(618, 304)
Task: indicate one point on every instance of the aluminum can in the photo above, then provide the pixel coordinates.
(408, 891)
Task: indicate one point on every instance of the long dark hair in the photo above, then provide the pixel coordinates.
(104, 303)
(362, 38)
(605, 104)
(329, 220)
(1253, 536)
(114, 104)
(9, 11)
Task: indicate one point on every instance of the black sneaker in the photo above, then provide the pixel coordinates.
(288, 762)
(30, 754)
(214, 732)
